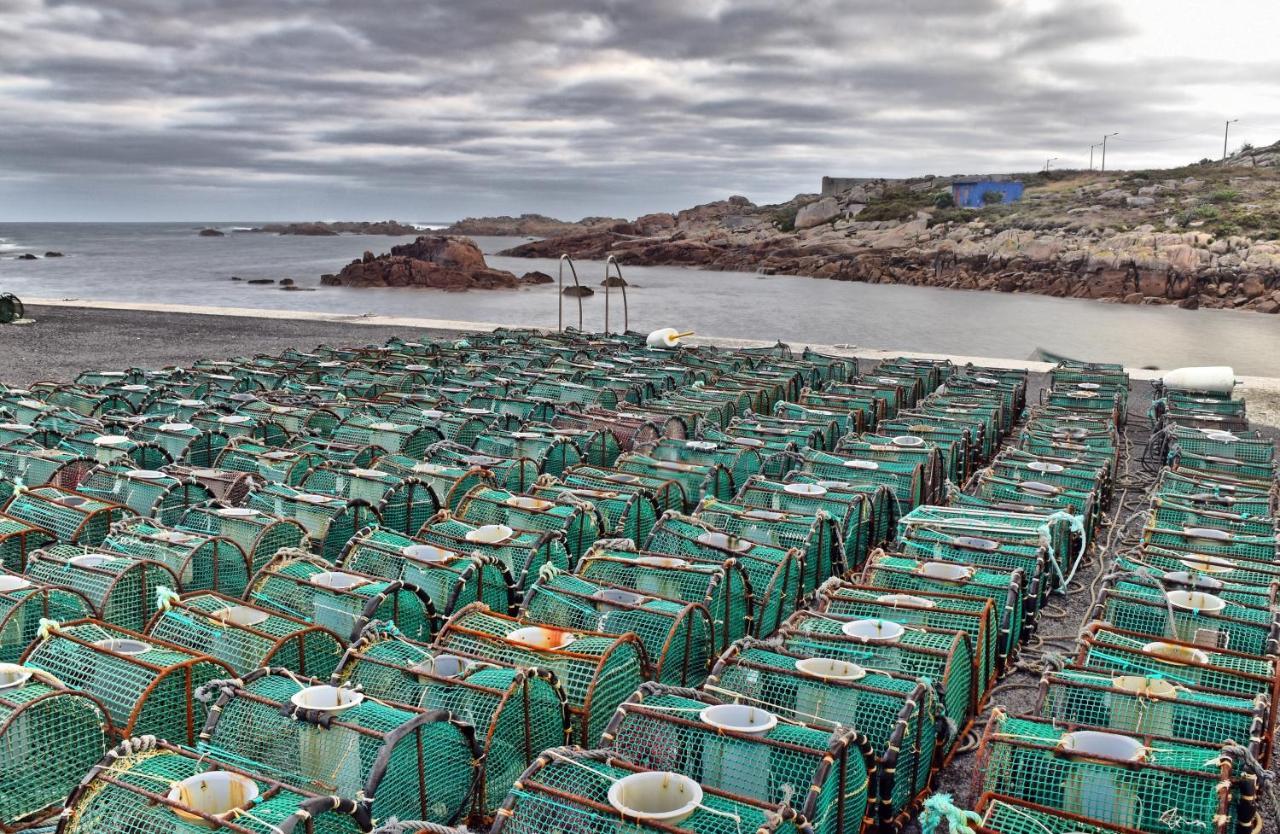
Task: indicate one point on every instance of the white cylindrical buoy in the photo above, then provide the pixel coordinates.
(666, 339)
(1218, 379)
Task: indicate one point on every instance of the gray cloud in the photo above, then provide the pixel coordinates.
(239, 108)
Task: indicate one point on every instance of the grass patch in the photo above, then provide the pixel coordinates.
(1224, 195)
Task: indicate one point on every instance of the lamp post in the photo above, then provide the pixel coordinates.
(1091, 147)
(1049, 162)
(1225, 130)
(1104, 149)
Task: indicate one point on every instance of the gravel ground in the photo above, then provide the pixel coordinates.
(64, 341)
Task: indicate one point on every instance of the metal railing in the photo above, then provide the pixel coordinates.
(622, 284)
(560, 292)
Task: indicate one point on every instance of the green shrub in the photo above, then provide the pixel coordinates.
(1225, 229)
(944, 200)
(1224, 195)
(785, 219)
(952, 215)
(992, 198)
(887, 210)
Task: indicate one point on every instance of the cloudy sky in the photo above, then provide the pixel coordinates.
(435, 109)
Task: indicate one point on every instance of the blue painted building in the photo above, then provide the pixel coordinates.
(968, 193)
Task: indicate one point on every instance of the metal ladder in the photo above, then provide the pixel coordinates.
(611, 261)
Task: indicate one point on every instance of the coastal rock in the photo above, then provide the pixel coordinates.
(614, 281)
(363, 227)
(431, 261)
(817, 213)
(26, 256)
(261, 281)
(286, 282)
(536, 277)
(53, 254)
(578, 292)
(212, 233)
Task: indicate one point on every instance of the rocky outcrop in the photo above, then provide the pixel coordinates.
(53, 254)
(431, 261)
(817, 213)
(536, 277)
(26, 256)
(362, 227)
(212, 233)
(529, 225)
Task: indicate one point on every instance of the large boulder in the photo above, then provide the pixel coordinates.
(431, 261)
(817, 213)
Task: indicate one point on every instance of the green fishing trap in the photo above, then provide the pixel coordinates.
(148, 492)
(393, 438)
(259, 536)
(402, 504)
(597, 446)
(899, 713)
(121, 589)
(517, 713)
(747, 752)
(851, 512)
(1212, 466)
(664, 492)
(200, 562)
(1189, 614)
(1214, 542)
(622, 514)
(1213, 494)
(273, 465)
(1253, 583)
(943, 658)
(330, 521)
(143, 684)
(449, 482)
(1006, 589)
(883, 504)
(514, 474)
(678, 637)
(816, 536)
(597, 792)
(522, 553)
(975, 616)
(597, 671)
(1133, 781)
(905, 479)
(245, 637)
(24, 602)
(452, 578)
(182, 441)
(1005, 815)
(1243, 447)
(70, 516)
(1151, 705)
(576, 521)
(397, 760)
(901, 455)
(696, 480)
(739, 460)
(31, 465)
(49, 737)
(552, 454)
(150, 785)
(722, 589)
(18, 539)
(225, 486)
(776, 575)
(305, 586)
(1172, 513)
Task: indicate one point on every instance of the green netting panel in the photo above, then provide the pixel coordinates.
(394, 438)
(286, 466)
(1213, 494)
(944, 658)
(517, 713)
(1173, 514)
(1150, 705)
(24, 602)
(458, 427)
(1213, 465)
(200, 562)
(404, 762)
(635, 430)
(851, 511)
(449, 483)
(224, 485)
(147, 492)
(741, 461)
(1037, 494)
(901, 455)
(403, 504)
(883, 504)
(1241, 579)
(572, 394)
(1214, 542)
(983, 549)
(451, 578)
(70, 516)
(696, 480)
(663, 491)
(1153, 784)
(598, 446)
(567, 789)
(1190, 615)
(677, 636)
(552, 454)
(294, 419)
(722, 589)
(973, 616)
(259, 535)
(1005, 588)
(515, 474)
(121, 589)
(146, 785)
(18, 539)
(1015, 465)
(49, 737)
(307, 587)
(183, 441)
(1220, 670)
(899, 713)
(1249, 447)
(144, 684)
(240, 425)
(816, 536)
(31, 465)
(522, 553)
(330, 521)
(246, 637)
(777, 575)
(628, 515)
(1006, 815)
(746, 751)
(596, 670)
(905, 479)
(577, 522)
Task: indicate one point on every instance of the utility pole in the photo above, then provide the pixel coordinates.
(1104, 149)
(1225, 130)
(1049, 162)
(1091, 147)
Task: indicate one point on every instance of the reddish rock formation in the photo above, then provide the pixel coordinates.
(431, 261)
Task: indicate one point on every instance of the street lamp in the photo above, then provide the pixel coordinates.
(1104, 149)
(1225, 130)
(1091, 147)
(1049, 162)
